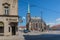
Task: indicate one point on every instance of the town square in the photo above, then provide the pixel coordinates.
(29, 19)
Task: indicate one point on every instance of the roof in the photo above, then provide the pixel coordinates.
(56, 26)
(35, 17)
(22, 27)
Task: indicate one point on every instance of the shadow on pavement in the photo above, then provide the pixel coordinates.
(42, 37)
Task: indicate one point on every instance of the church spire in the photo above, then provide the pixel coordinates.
(28, 8)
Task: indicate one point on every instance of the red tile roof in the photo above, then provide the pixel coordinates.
(22, 27)
(56, 26)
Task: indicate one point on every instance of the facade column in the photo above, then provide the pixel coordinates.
(30, 26)
(42, 27)
(6, 28)
(35, 26)
(38, 27)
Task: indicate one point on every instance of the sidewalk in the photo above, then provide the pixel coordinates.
(16, 37)
(39, 33)
(9, 38)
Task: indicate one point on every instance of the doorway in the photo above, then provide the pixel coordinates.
(1, 28)
(13, 27)
(13, 31)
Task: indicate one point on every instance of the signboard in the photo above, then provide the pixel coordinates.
(11, 19)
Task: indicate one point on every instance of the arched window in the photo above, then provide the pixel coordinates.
(1, 24)
(1, 27)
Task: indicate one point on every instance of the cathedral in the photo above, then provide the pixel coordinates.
(8, 17)
(35, 23)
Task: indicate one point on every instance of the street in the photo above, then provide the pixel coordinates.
(34, 35)
(42, 37)
(51, 35)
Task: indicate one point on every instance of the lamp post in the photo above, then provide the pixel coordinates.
(20, 20)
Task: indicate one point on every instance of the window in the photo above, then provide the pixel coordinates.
(6, 10)
(9, 29)
(1, 27)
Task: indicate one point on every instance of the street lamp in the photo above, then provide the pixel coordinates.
(20, 20)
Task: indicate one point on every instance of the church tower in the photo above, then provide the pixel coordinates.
(28, 16)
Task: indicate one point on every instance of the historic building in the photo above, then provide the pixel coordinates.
(55, 27)
(8, 17)
(34, 23)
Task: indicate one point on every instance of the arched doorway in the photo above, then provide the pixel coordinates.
(13, 27)
(1, 28)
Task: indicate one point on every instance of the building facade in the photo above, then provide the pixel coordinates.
(34, 23)
(8, 17)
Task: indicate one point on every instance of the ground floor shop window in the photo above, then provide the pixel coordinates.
(9, 29)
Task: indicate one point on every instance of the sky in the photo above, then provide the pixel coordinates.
(50, 10)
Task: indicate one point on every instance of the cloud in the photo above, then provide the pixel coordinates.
(58, 19)
(51, 24)
(23, 17)
(58, 22)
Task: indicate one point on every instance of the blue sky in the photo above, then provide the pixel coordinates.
(50, 10)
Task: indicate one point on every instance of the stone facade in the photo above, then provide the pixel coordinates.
(35, 23)
(8, 17)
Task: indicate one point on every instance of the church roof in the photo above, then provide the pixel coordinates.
(35, 18)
